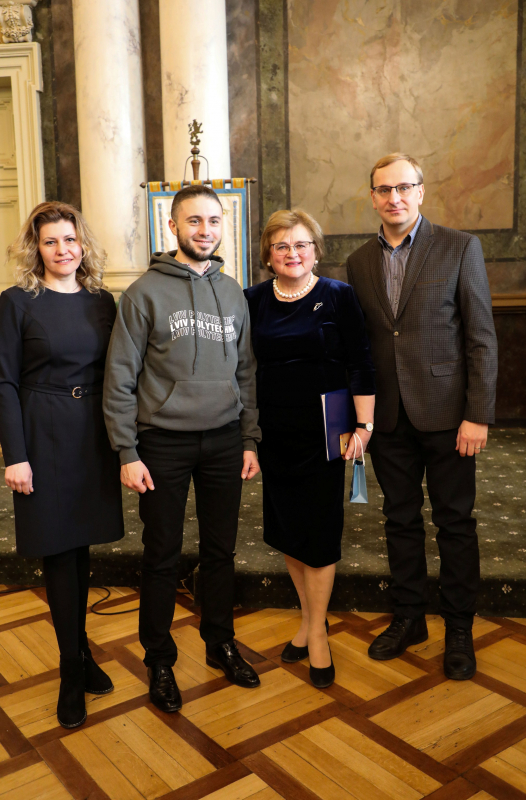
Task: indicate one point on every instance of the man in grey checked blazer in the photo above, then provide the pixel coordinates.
(424, 292)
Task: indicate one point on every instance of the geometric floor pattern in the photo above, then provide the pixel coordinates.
(394, 730)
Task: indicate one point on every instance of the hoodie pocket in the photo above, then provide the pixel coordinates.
(198, 405)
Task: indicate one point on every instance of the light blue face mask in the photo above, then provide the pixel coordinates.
(358, 493)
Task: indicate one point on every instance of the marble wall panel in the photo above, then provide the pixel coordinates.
(435, 79)
(242, 102)
(152, 85)
(43, 34)
(65, 103)
(507, 276)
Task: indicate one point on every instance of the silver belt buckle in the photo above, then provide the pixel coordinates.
(77, 389)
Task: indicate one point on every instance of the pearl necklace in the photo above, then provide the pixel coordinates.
(294, 294)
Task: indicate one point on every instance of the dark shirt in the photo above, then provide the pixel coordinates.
(395, 262)
(306, 348)
(56, 339)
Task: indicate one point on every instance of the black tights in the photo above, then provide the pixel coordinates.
(67, 584)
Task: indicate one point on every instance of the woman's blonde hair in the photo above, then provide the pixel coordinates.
(30, 266)
(285, 220)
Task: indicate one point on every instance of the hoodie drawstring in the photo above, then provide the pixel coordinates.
(196, 332)
(221, 317)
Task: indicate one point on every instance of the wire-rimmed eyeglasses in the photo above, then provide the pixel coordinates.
(403, 189)
(282, 248)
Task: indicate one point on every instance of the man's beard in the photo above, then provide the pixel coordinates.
(187, 247)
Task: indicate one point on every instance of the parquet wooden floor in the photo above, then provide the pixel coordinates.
(395, 730)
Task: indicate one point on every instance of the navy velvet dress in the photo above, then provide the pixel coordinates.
(304, 349)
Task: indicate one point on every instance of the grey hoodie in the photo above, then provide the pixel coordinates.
(159, 373)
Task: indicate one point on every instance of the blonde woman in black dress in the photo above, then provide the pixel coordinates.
(55, 326)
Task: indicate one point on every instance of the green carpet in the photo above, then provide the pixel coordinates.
(362, 574)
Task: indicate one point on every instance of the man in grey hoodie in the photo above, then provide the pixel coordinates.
(180, 403)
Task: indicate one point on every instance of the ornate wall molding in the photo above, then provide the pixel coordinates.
(16, 20)
(21, 63)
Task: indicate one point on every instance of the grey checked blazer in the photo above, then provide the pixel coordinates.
(440, 353)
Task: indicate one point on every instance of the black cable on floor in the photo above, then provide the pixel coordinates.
(13, 591)
(114, 613)
(109, 613)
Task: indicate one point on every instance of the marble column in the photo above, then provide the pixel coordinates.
(111, 132)
(194, 84)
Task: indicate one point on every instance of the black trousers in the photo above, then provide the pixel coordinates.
(214, 460)
(400, 459)
(67, 584)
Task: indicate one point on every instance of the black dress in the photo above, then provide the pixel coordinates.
(313, 345)
(49, 345)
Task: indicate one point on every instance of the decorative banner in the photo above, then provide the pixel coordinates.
(233, 248)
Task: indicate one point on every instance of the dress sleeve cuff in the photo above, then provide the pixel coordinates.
(11, 458)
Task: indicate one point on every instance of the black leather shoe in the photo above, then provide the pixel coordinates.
(71, 707)
(322, 677)
(460, 663)
(164, 691)
(292, 654)
(395, 640)
(226, 657)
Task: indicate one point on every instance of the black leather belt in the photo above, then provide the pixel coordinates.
(82, 390)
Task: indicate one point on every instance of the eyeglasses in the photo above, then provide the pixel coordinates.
(283, 249)
(403, 189)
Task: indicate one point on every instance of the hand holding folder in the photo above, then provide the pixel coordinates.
(338, 424)
(337, 420)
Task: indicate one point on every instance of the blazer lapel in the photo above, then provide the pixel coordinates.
(377, 274)
(415, 262)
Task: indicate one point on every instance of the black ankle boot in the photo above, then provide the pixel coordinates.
(96, 680)
(401, 633)
(460, 663)
(71, 708)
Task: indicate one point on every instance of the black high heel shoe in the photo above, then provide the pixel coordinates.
(292, 654)
(322, 677)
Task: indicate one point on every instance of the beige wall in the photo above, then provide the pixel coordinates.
(435, 78)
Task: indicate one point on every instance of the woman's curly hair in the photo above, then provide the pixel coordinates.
(30, 266)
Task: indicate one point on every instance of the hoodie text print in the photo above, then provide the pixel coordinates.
(183, 323)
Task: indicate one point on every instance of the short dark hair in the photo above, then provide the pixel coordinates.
(199, 190)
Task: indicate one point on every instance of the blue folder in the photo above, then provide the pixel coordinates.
(337, 418)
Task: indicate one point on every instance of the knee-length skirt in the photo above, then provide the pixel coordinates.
(77, 493)
(303, 496)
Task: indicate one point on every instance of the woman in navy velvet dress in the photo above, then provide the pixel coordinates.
(309, 338)
(55, 328)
